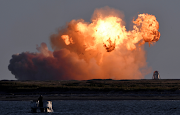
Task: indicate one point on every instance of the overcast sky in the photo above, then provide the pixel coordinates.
(27, 23)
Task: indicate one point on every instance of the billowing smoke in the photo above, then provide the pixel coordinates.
(102, 49)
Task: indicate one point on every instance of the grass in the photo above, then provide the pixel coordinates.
(91, 86)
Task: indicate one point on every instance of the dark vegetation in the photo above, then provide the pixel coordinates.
(89, 87)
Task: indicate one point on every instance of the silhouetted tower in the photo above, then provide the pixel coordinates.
(156, 75)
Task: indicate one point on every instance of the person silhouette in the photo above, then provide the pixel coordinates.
(40, 99)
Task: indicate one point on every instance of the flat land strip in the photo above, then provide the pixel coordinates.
(91, 89)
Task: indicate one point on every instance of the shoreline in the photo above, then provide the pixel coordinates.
(91, 90)
(86, 97)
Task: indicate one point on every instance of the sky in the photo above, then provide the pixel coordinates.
(24, 24)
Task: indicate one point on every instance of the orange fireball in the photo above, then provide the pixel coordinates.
(106, 47)
(110, 33)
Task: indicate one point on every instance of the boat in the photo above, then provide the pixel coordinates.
(47, 106)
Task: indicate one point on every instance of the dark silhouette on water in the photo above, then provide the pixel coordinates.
(40, 99)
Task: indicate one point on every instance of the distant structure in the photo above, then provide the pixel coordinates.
(156, 75)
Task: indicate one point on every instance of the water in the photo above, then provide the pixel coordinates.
(97, 107)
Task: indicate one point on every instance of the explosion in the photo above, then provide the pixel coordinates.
(102, 49)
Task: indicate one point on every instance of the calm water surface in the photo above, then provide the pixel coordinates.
(97, 107)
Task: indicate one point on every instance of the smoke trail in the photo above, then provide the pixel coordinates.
(101, 49)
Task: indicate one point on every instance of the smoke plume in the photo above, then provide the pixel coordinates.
(100, 49)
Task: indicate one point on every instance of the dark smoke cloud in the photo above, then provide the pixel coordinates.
(46, 65)
(65, 65)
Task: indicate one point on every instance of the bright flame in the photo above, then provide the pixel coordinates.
(67, 40)
(149, 27)
(110, 33)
